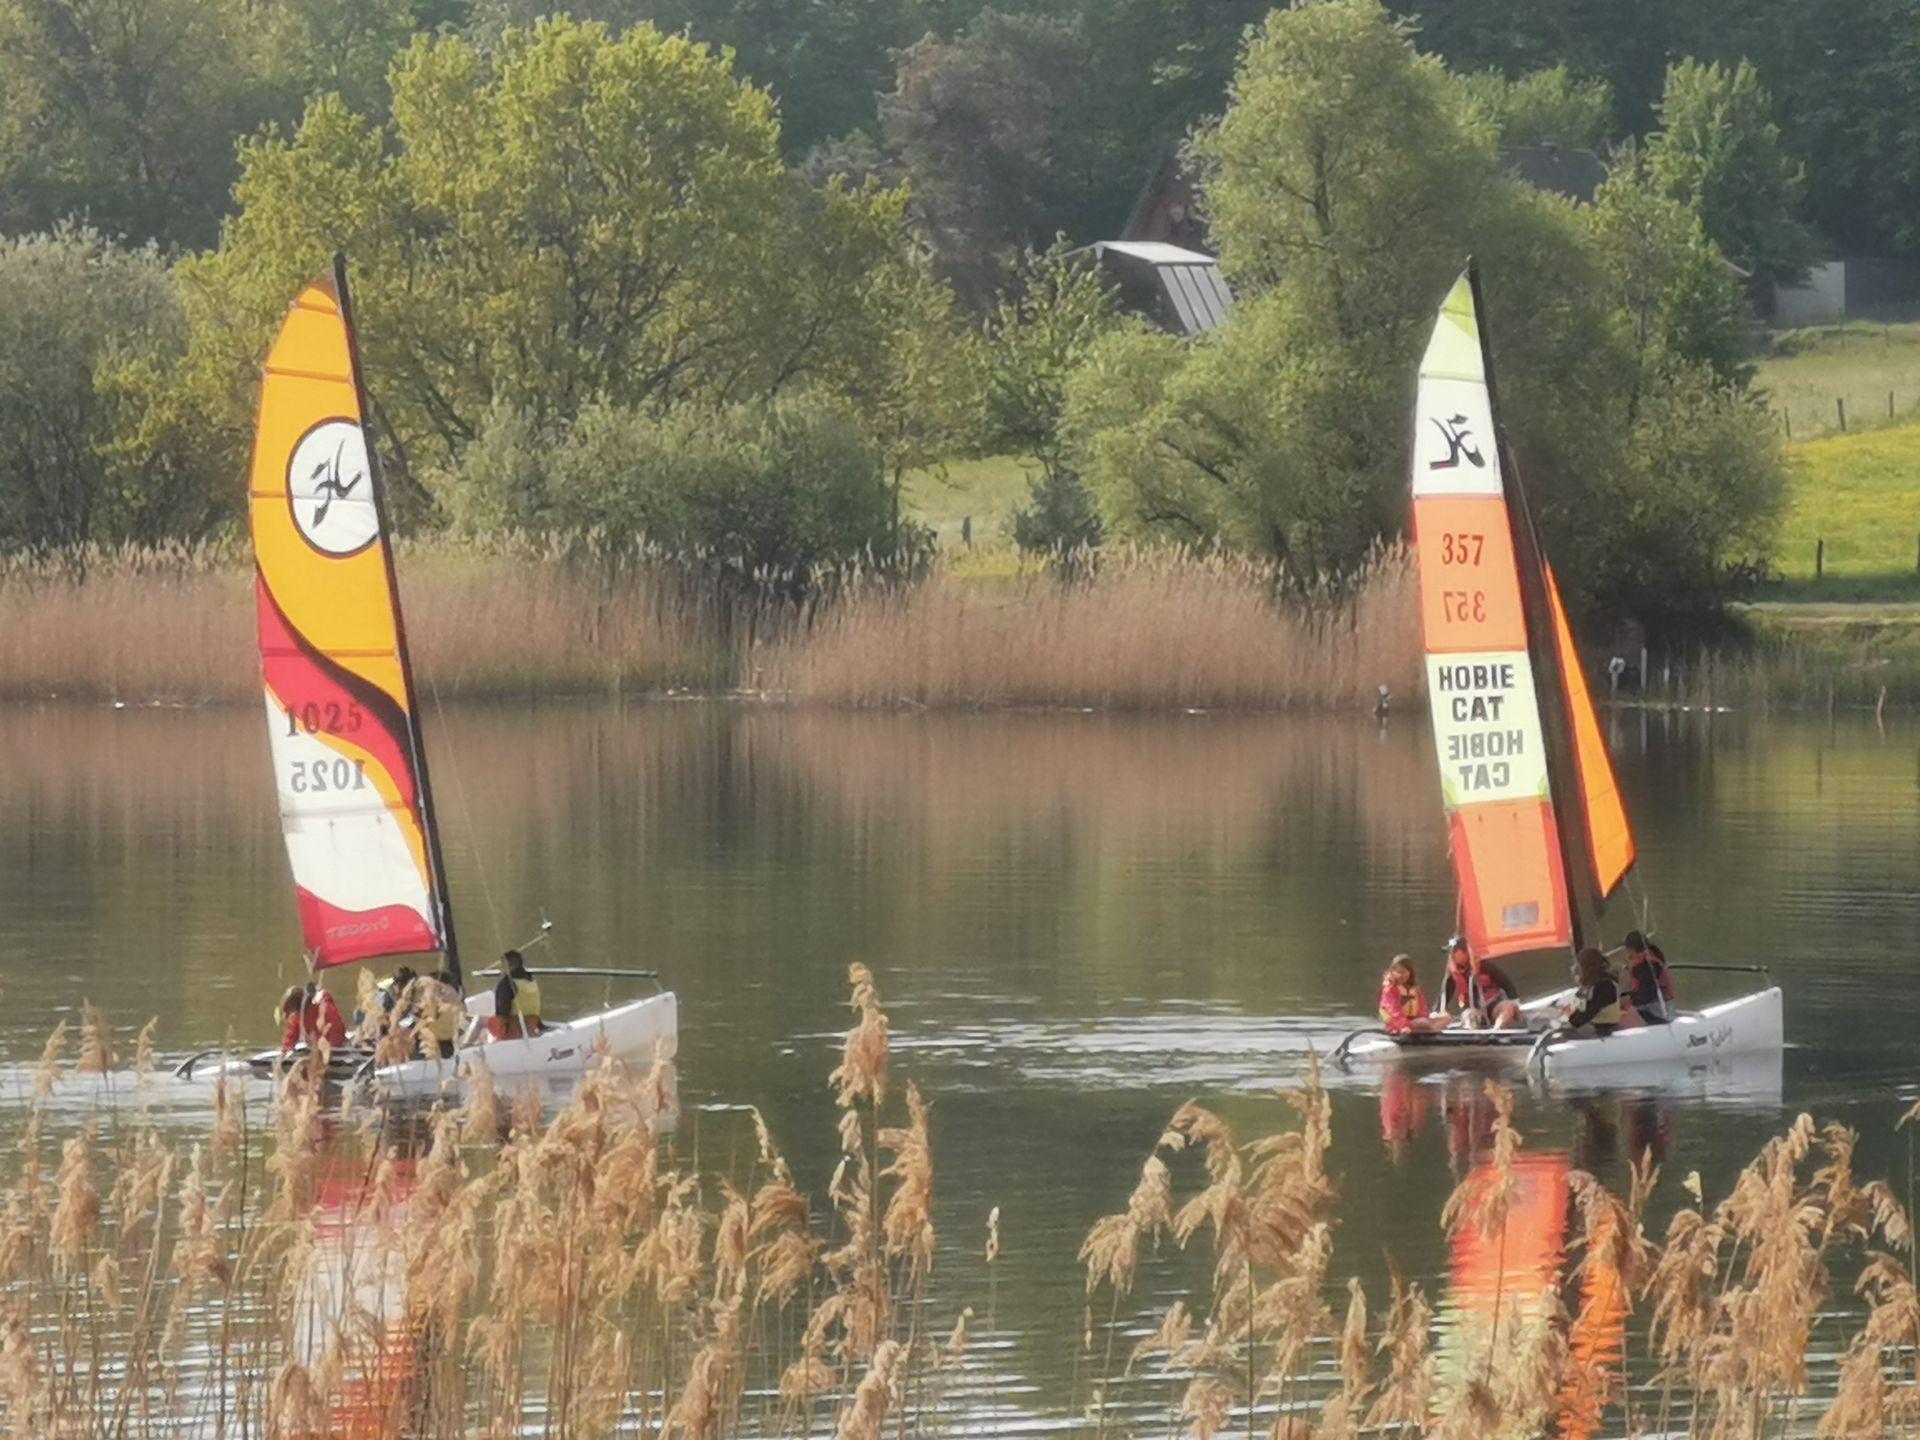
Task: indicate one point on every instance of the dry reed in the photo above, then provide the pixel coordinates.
(1145, 630)
(496, 1271)
(1142, 630)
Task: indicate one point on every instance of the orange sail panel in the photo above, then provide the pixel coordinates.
(338, 714)
(1486, 713)
(1603, 813)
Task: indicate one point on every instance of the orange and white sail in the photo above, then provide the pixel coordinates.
(1487, 716)
(340, 713)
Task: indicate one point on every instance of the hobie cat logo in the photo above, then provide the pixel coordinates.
(331, 490)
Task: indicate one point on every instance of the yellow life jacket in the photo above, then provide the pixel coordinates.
(526, 1000)
(1606, 1014)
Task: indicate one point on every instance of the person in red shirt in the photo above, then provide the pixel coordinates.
(311, 1015)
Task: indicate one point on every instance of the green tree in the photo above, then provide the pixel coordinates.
(1682, 302)
(124, 113)
(1349, 179)
(76, 306)
(1012, 134)
(1041, 331)
(770, 486)
(568, 220)
(1546, 107)
(1719, 151)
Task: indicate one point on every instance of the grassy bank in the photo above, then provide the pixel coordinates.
(1808, 375)
(492, 1271)
(1146, 630)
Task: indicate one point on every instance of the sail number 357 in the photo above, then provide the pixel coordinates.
(1464, 605)
(1461, 549)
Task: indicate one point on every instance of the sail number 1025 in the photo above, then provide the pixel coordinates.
(333, 717)
(320, 777)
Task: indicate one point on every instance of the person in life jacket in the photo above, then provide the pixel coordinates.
(516, 1001)
(431, 1006)
(1403, 1004)
(1478, 991)
(1649, 985)
(387, 993)
(311, 1016)
(1596, 1009)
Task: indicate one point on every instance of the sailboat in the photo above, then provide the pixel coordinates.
(356, 799)
(1533, 809)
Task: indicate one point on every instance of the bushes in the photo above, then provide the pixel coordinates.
(783, 485)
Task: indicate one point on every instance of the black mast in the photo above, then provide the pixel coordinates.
(1536, 613)
(429, 818)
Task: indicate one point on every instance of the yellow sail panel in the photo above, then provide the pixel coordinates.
(1603, 812)
(1487, 726)
(338, 714)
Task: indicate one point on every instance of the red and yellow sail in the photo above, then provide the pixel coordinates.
(1487, 725)
(339, 712)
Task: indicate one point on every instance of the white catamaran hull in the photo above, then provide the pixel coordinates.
(637, 1031)
(1749, 1025)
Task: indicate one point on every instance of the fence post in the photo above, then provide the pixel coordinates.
(1787, 415)
(1840, 404)
(1819, 558)
(1889, 404)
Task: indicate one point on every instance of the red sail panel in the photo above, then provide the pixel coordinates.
(1603, 813)
(1487, 729)
(338, 714)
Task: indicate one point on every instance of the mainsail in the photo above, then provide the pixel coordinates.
(354, 798)
(1487, 721)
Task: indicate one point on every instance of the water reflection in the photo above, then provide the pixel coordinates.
(1076, 921)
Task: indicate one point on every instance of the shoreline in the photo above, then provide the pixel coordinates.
(1145, 631)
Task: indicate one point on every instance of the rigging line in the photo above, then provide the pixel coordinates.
(466, 809)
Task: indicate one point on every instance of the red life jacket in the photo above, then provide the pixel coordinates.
(1660, 975)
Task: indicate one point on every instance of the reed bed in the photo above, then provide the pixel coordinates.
(174, 624)
(1140, 630)
(300, 1270)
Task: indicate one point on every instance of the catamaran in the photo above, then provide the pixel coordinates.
(1527, 783)
(356, 801)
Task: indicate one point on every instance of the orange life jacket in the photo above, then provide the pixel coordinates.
(1401, 1003)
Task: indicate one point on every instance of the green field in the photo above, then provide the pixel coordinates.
(1861, 495)
(1804, 372)
(988, 490)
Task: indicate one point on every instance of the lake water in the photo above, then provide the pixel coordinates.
(1076, 922)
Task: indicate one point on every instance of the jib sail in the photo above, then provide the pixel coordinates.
(1609, 839)
(354, 799)
(1487, 723)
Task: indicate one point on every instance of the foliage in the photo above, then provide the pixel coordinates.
(571, 219)
(1719, 151)
(75, 305)
(1284, 430)
(767, 486)
(1547, 107)
(1681, 299)
(1011, 132)
(123, 112)
(1037, 336)
(1060, 516)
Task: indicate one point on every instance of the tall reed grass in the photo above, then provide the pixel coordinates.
(303, 1270)
(1141, 630)
(175, 623)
